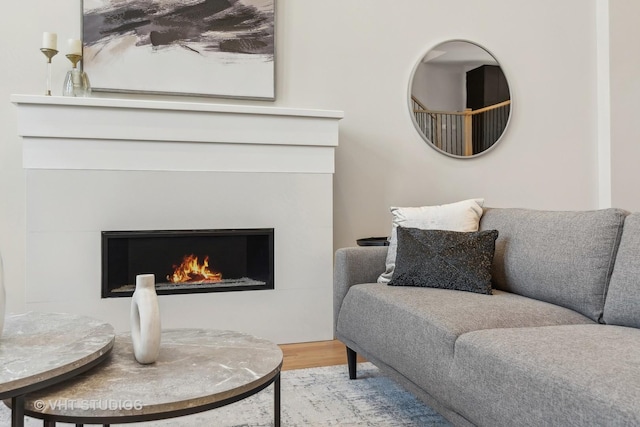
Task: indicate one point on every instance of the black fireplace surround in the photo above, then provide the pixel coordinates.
(227, 260)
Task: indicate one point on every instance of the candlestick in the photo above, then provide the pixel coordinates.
(74, 58)
(49, 53)
(76, 82)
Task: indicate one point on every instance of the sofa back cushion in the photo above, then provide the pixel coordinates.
(622, 306)
(561, 257)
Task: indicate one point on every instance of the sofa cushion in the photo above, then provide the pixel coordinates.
(622, 305)
(414, 330)
(460, 216)
(564, 258)
(579, 375)
(444, 259)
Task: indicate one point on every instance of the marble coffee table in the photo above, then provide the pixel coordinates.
(197, 370)
(41, 349)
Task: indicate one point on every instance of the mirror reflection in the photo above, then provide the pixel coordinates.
(459, 99)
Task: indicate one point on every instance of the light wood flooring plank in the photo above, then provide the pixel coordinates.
(314, 354)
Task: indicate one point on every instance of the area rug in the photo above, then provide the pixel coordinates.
(314, 397)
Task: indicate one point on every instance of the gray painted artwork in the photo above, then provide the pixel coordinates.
(199, 47)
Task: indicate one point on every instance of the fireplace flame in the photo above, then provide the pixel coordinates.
(191, 271)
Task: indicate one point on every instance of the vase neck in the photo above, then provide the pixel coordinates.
(145, 281)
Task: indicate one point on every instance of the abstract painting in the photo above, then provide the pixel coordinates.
(194, 47)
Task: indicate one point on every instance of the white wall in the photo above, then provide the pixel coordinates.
(625, 97)
(356, 56)
(547, 158)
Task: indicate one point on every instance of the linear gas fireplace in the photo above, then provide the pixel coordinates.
(187, 261)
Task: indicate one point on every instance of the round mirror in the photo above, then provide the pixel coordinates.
(459, 99)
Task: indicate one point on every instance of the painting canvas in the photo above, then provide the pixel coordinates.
(197, 47)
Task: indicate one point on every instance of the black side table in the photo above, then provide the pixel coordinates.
(373, 241)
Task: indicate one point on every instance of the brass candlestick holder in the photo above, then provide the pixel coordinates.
(76, 82)
(74, 58)
(49, 53)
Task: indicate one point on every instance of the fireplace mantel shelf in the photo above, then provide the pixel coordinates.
(171, 105)
(130, 134)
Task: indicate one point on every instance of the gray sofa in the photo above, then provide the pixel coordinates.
(557, 344)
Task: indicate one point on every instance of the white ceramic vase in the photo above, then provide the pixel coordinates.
(2, 296)
(145, 320)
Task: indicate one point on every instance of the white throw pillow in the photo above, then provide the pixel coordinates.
(459, 216)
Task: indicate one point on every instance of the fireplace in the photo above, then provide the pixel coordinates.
(81, 180)
(188, 261)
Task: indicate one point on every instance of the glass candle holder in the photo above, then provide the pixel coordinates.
(49, 53)
(76, 82)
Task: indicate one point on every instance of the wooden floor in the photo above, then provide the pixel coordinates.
(314, 354)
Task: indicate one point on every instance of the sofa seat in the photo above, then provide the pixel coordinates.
(383, 319)
(577, 375)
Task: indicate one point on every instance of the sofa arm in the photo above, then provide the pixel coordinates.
(353, 266)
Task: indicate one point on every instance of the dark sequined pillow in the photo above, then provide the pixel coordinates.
(445, 259)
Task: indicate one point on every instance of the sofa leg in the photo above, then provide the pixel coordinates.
(352, 362)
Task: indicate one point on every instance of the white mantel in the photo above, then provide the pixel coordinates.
(96, 164)
(236, 130)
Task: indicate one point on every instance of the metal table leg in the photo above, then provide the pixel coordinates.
(276, 401)
(17, 411)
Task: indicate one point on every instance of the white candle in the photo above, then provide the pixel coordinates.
(50, 41)
(75, 47)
